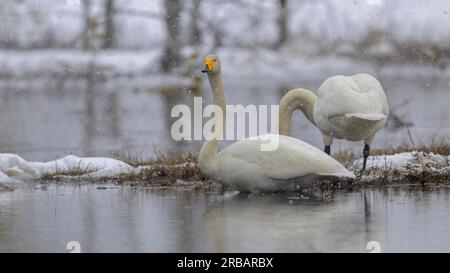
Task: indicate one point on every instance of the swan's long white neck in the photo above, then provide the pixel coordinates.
(208, 157)
(295, 99)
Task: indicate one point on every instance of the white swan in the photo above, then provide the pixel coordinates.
(244, 166)
(352, 108)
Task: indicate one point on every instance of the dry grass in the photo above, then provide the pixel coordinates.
(72, 171)
(418, 175)
(180, 171)
(346, 157)
(390, 176)
(403, 51)
(442, 149)
(183, 171)
(163, 171)
(5, 188)
(133, 159)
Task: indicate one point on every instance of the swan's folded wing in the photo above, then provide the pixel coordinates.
(340, 95)
(292, 159)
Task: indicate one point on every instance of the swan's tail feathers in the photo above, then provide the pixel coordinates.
(366, 116)
(366, 119)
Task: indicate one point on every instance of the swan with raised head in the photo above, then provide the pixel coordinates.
(352, 108)
(246, 167)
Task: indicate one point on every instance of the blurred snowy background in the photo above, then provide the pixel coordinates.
(100, 76)
(375, 30)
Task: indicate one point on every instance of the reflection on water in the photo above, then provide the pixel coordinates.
(42, 119)
(126, 219)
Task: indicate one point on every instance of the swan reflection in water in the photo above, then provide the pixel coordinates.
(128, 219)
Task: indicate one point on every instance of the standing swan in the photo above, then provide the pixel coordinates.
(245, 166)
(352, 108)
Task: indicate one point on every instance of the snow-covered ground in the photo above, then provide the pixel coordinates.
(29, 23)
(13, 168)
(392, 168)
(317, 28)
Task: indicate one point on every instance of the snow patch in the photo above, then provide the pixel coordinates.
(397, 166)
(14, 168)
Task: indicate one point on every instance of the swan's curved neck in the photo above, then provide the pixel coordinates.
(295, 99)
(208, 157)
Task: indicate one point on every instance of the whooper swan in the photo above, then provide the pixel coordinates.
(352, 108)
(246, 167)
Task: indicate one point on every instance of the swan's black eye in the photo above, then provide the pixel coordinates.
(214, 60)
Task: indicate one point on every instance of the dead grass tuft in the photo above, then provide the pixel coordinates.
(164, 171)
(183, 171)
(73, 171)
(347, 156)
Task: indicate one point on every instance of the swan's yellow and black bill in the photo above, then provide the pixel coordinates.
(209, 65)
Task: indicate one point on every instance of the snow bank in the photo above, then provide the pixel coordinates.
(13, 168)
(398, 166)
(389, 167)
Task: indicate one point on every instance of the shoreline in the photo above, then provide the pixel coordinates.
(402, 166)
(323, 191)
(76, 63)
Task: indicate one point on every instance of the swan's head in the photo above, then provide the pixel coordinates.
(211, 65)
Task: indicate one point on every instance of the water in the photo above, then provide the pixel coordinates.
(43, 119)
(37, 218)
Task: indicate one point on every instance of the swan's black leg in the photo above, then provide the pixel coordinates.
(366, 153)
(327, 149)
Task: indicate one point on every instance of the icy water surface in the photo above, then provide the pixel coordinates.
(43, 119)
(125, 219)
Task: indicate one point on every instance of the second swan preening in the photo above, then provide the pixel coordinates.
(352, 108)
(244, 166)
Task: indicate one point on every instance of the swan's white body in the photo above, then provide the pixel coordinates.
(352, 108)
(292, 166)
(245, 166)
